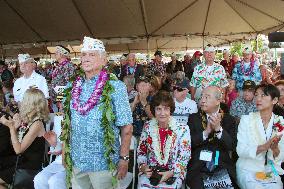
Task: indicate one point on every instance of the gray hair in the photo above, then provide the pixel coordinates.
(217, 92)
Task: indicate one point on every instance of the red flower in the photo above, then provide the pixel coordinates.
(143, 148)
(279, 126)
(170, 132)
(149, 140)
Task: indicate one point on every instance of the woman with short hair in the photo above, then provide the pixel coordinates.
(260, 143)
(164, 147)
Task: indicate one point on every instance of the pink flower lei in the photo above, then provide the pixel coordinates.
(95, 96)
(250, 69)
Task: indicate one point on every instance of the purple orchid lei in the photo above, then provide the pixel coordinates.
(95, 96)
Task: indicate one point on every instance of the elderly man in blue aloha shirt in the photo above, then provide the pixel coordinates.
(90, 168)
(246, 69)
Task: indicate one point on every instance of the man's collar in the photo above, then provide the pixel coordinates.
(32, 75)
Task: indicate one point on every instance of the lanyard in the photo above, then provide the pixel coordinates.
(266, 153)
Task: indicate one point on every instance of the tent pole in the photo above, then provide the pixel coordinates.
(256, 42)
(148, 46)
(203, 40)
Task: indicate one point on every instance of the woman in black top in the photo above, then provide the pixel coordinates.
(27, 130)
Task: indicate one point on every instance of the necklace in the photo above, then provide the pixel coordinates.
(95, 96)
(162, 154)
(251, 66)
(128, 71)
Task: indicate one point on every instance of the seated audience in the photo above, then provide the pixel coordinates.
(213, 138)
(184, 106)
(129, 81)
(164, 147)
(53, 176)
(232, 92)
(141, 106)
(27, 132)
(279, 107)
(244, 104)
(260, 143)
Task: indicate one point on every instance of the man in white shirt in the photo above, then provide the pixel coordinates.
(29, 79)
(184, 106)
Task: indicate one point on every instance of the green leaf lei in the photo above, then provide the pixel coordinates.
(108, 118)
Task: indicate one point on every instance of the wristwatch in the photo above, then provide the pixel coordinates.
(125, 158)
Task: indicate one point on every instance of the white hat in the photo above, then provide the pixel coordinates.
(187, 54)
(247, 50)
(209, 48)
(24, 57)
(226, 51)
(62, 50)
(90, 44)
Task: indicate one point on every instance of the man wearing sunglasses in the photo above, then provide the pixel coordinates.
(184, 106)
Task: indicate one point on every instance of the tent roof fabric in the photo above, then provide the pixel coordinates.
(127, 25)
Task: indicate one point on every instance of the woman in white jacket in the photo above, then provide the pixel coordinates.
(260, 143)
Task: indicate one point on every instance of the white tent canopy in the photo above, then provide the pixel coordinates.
(133, 25)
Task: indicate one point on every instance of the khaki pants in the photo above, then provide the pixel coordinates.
(91, 180)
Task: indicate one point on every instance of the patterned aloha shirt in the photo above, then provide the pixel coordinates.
(179, 153)
(87, 134)
(239, 107)
(240, 77)
(61, 75)
(155, 67)
(204, 76)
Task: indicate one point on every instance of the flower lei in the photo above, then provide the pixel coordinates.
(55, 71)
(162, 157)
(278, 126)
(22, 129)
(95, 96)
(250, 69)
(127, 69)
(108, 118)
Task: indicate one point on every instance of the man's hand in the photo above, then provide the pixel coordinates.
(215, 122)
(122, 169)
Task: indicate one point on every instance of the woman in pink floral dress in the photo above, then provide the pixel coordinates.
(164, 148)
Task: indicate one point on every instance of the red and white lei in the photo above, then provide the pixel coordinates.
(162, 157)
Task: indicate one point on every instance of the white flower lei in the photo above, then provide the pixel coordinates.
(154, 133)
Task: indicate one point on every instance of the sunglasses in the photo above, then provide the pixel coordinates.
(179, 89)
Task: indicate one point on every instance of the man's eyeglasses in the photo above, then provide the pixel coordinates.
(179, 89)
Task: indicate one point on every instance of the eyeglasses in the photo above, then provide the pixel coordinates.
(179, 89)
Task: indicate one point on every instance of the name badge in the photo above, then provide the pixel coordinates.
(205, 155)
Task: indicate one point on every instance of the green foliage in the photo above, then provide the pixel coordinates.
(237, 47)
(259, 43)
(66, 129)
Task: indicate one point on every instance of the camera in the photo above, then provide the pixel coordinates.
(156, 177)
